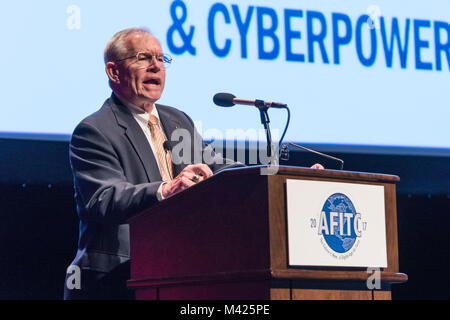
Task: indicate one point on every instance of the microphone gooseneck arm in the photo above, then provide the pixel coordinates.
(265, 122)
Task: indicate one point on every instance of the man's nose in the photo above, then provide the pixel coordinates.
(154, 65)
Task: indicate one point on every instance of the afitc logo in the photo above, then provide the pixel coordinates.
(339, 226)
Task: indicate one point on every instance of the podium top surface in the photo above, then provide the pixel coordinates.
(320, 173)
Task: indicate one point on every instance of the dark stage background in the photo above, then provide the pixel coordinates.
(39, 226)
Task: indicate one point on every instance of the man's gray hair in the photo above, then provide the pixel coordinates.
(116, 48)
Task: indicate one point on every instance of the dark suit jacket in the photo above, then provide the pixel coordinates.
(115, 176)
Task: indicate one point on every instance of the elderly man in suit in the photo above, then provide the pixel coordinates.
(121, 164)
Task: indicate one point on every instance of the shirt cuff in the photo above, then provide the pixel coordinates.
(159, 194)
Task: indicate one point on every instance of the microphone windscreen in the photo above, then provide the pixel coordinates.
(167, 145)
(224, 99)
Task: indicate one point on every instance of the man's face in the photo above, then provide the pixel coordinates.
(141, 85)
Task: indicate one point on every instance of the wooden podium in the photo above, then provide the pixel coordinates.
(226, 238)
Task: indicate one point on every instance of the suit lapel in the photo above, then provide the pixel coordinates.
(137, 139)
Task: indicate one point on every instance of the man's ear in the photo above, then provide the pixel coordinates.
(113, 72)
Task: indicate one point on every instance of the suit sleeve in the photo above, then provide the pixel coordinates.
(101, 188)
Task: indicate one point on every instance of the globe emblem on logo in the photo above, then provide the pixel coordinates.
(339, 223)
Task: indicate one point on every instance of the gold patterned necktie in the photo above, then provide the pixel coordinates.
(164, 159)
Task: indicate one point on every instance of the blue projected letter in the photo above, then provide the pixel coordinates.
(290, 34)
(319, 38)
(395, 35)
(270, 32)
(218, 7)
(359, 44)
(243, 27)
(438, 25)
(421, 44)
(340, 40)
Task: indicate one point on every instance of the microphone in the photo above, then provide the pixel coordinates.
(285, 153)
(167, 145)
(229, 100)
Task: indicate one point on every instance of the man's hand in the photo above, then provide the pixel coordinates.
(190, 175)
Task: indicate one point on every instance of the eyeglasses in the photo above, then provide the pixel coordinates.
(145, 60)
